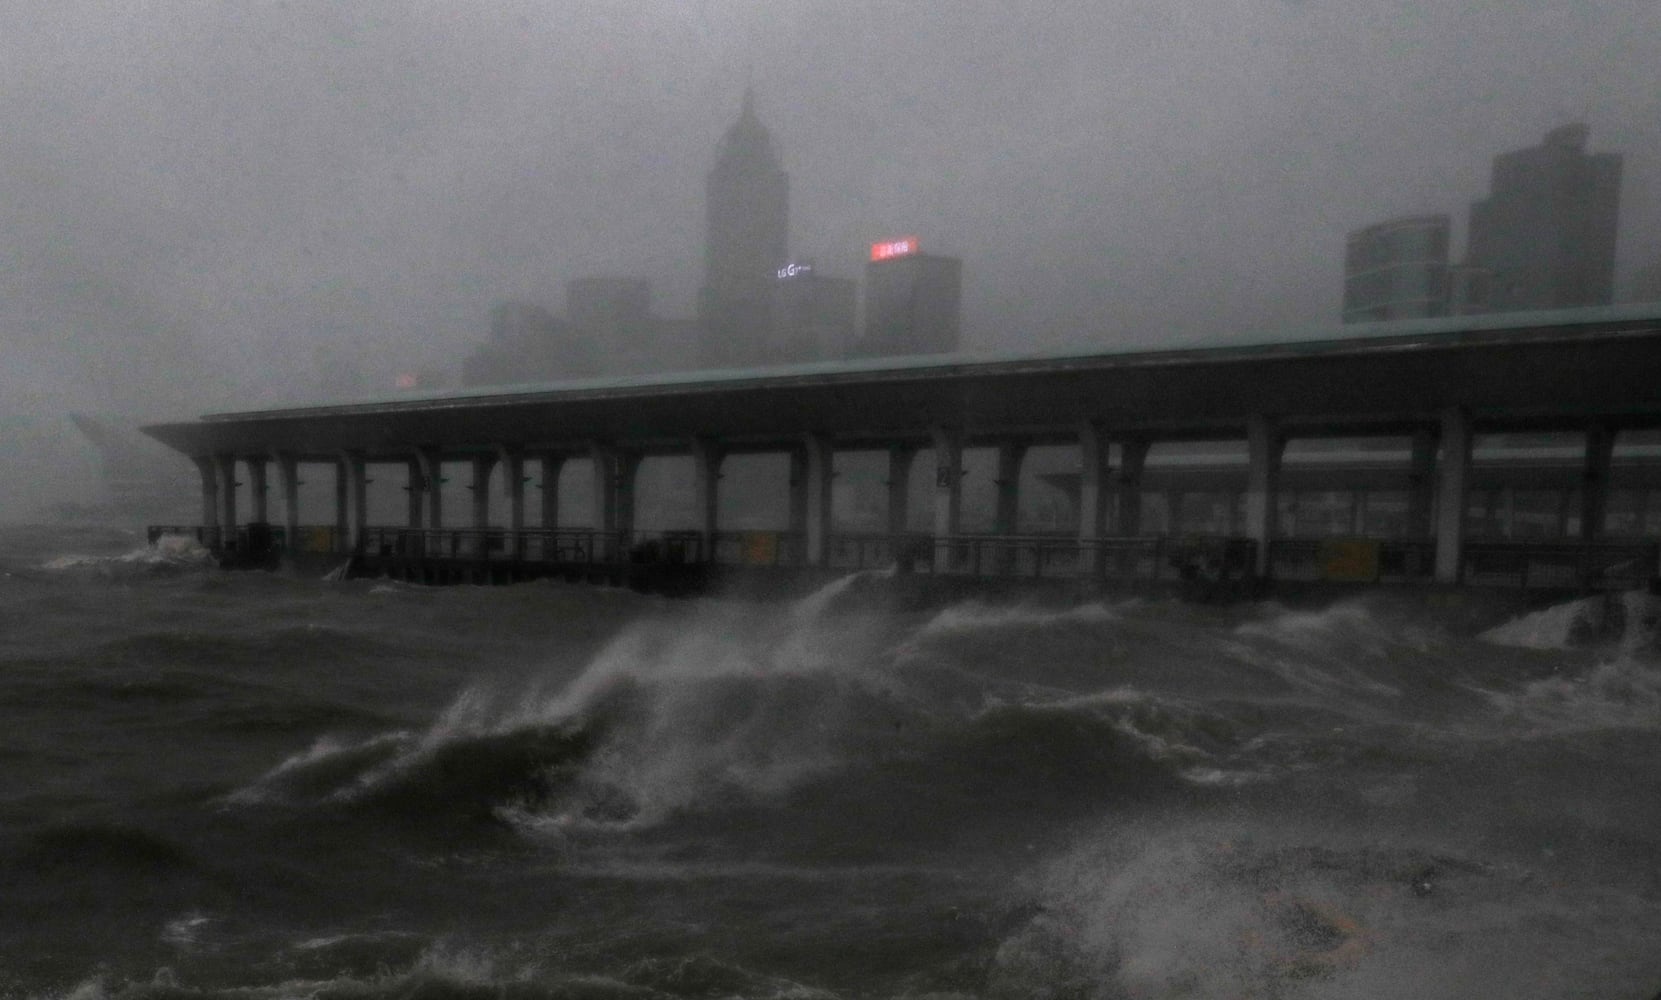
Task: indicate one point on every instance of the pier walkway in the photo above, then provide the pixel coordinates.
(1435, 476)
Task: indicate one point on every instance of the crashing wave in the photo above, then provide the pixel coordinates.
(168, 552)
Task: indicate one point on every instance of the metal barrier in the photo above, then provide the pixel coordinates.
(1352, 560)
(1579, 565)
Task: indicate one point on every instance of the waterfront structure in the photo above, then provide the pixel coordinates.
(812, 315)
(913, 301)
(1435, 385)
(1397, 270)
(746, 241)
(1545, 234)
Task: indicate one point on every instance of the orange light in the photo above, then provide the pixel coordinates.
(902, 247)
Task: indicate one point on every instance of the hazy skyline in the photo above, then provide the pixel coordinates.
(207, 202)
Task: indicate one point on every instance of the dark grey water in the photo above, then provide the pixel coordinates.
(243, 785)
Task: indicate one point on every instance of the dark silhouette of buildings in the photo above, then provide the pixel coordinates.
(1397, 270)
(527, 343)
(812, 315)
(1544, 238)
(1546, 232)
(746, 242)
(912, 301)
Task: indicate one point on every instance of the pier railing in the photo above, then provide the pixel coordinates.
(1614, 564)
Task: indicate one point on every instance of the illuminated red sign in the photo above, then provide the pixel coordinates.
(902, 247)
(407, 381)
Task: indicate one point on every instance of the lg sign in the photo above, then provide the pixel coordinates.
(902, 247)
(793, 270)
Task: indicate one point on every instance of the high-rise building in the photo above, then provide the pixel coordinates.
(613, 314)
(1397, 270)
(912, 301)
(746, 242)
(527, 343)
(812, 315)
(1545, 234)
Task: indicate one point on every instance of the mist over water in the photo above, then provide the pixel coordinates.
(240, 784)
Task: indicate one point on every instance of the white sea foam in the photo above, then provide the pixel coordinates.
(169, 551)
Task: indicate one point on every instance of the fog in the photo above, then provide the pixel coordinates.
(211, 205)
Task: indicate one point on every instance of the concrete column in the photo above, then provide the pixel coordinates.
(353, 480)
(257, 508)
(207, 470)
(1007, 514)
(1594, 487)
(798, 491)
(820, 467)
(1452, 494)
(480, 468)
(1421, 483)
(605, 487)
(948, 493)
(430, 463)
(628, 469)
(416, 489)
(707, 457)
(343, 525)
(225, 472)
(1264, 445)
(1094, 469)
(899, 489)
(513, 482)
(551, 466)
(1133, 456)
(288, 484)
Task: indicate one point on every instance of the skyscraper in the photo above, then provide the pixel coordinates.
(1545, 234)
(1397, 270)
(912, 300)
(746, 242)
(813, 315)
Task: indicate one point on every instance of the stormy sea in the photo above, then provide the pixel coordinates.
(251, 785)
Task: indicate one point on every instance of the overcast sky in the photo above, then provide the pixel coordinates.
(206, 203)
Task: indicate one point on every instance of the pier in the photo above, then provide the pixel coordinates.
(1405, 453)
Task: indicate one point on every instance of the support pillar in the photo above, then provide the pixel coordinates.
(605, 488)
(1006, 515)
(820, 458)
(258, 510)
(288, 484)
(513, 484)
(352, 492)
(1421, 484)
(552, 464)
(416, 488)
(1133, 456)
(1094, 468)
(707, 457)
(797, 517)
(225, 473)
(430, 464)
(1452, 494)
(1264, 445)
(343, 528)
(480, 468)
(205, 468)
(948, 493)
(1594, 486)
(900, 458)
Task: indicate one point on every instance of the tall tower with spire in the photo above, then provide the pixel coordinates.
(746, 242)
